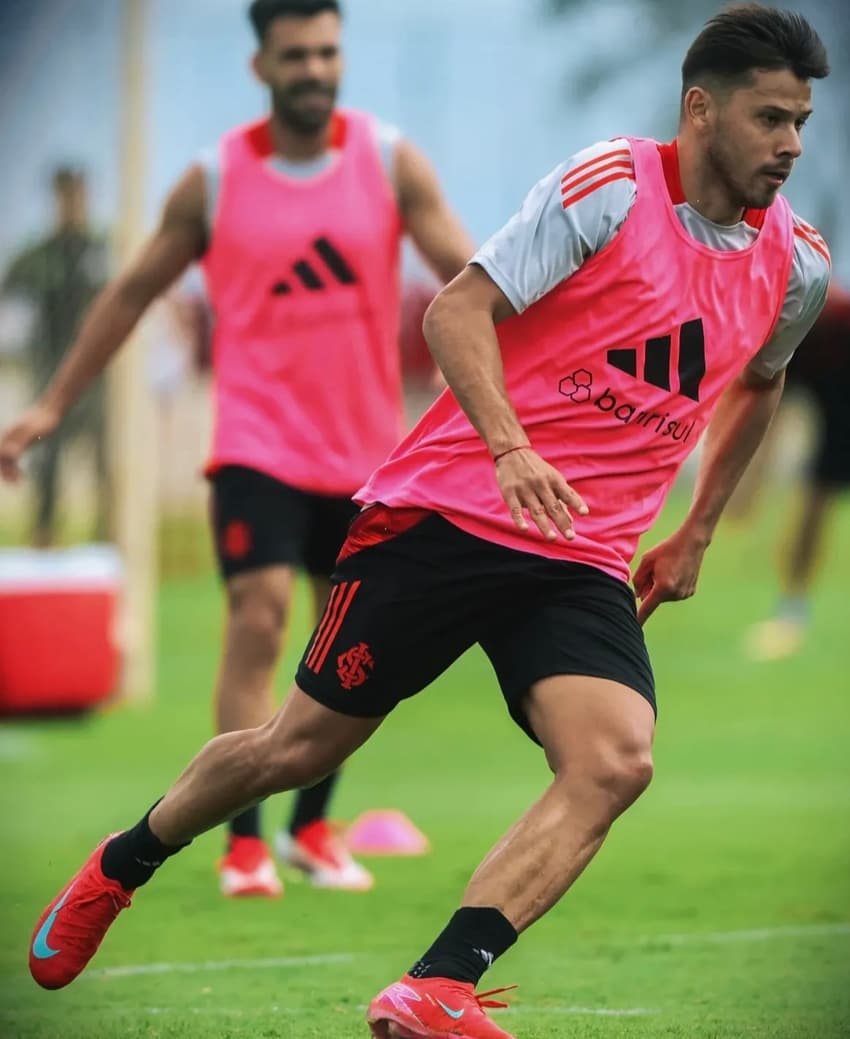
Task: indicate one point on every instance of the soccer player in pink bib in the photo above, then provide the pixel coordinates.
(297, 220)
(644, 293)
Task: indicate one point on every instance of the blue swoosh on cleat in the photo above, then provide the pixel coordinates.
(40, 949)
(456, 1015)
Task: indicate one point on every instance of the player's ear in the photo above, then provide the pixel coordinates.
(697, 107)
(257, 66)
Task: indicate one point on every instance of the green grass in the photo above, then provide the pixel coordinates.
(745, 828)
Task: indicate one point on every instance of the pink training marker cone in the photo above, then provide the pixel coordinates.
(386, 833)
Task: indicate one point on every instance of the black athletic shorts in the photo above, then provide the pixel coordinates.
(258, 521)
(412, 592)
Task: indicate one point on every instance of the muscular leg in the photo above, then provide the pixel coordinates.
(257, 606)
(597, 735)
(301, 744)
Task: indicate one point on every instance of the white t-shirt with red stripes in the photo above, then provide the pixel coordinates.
(577, 209)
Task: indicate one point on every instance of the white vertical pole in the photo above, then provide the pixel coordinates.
(132, 421)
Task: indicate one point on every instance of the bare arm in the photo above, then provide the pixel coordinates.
(434, 228)
(179, 239)
(460, 328)
(669, 572)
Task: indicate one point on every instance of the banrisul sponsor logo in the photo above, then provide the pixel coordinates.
(658, 422)
(652, 365)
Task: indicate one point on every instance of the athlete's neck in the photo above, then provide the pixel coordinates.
(703, 192)
(298, 146)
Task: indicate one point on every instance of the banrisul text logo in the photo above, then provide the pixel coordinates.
(578, 388)
(628, 413)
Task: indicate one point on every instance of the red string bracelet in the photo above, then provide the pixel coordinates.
(510, 450)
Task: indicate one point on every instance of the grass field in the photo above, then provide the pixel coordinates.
(719, 909)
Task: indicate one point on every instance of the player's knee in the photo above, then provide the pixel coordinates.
(255, 624)
(613, 777)
(624, 773)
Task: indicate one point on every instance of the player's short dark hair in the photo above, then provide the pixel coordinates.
(747, 37)
(263, 12)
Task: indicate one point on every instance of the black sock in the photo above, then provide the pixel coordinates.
(473, 940)
(246, 824)
(134, 856)
(312, 804)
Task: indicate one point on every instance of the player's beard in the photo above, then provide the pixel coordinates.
(741, 195)
(301, 120)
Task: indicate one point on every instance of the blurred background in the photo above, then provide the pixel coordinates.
(102, 105)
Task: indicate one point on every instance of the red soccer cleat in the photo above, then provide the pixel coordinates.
(71, 928)
(320, 854)
(247, 870)
(433, 1008)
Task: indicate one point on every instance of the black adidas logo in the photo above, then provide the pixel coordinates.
(309, 277)
(656, 360)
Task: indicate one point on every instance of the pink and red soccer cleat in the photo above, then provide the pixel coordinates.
(433, 1008)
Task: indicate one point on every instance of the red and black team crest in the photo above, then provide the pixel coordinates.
(355, 666)
(236, 540)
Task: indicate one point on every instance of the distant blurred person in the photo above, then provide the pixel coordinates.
(820, 368)
(58, 277)
(298, 220)
(644, 293)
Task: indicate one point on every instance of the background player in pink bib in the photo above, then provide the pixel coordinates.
(297, 220)
(644, 292)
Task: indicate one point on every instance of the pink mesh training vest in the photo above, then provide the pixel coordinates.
(303, 277)
(614, 375)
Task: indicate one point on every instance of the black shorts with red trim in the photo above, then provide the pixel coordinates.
(412, 592)
(259, 521)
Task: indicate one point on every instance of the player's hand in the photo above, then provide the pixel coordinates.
(668, 572)
(36, 422)
(530, 485)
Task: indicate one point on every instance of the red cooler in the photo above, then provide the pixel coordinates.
(58, 619)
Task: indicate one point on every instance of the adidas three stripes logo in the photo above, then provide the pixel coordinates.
(313, 279)
(657, 368)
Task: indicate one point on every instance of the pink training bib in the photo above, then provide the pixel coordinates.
(304, 282)
(614, 375)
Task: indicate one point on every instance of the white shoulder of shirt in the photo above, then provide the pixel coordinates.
(568, 216)
(807, 285)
